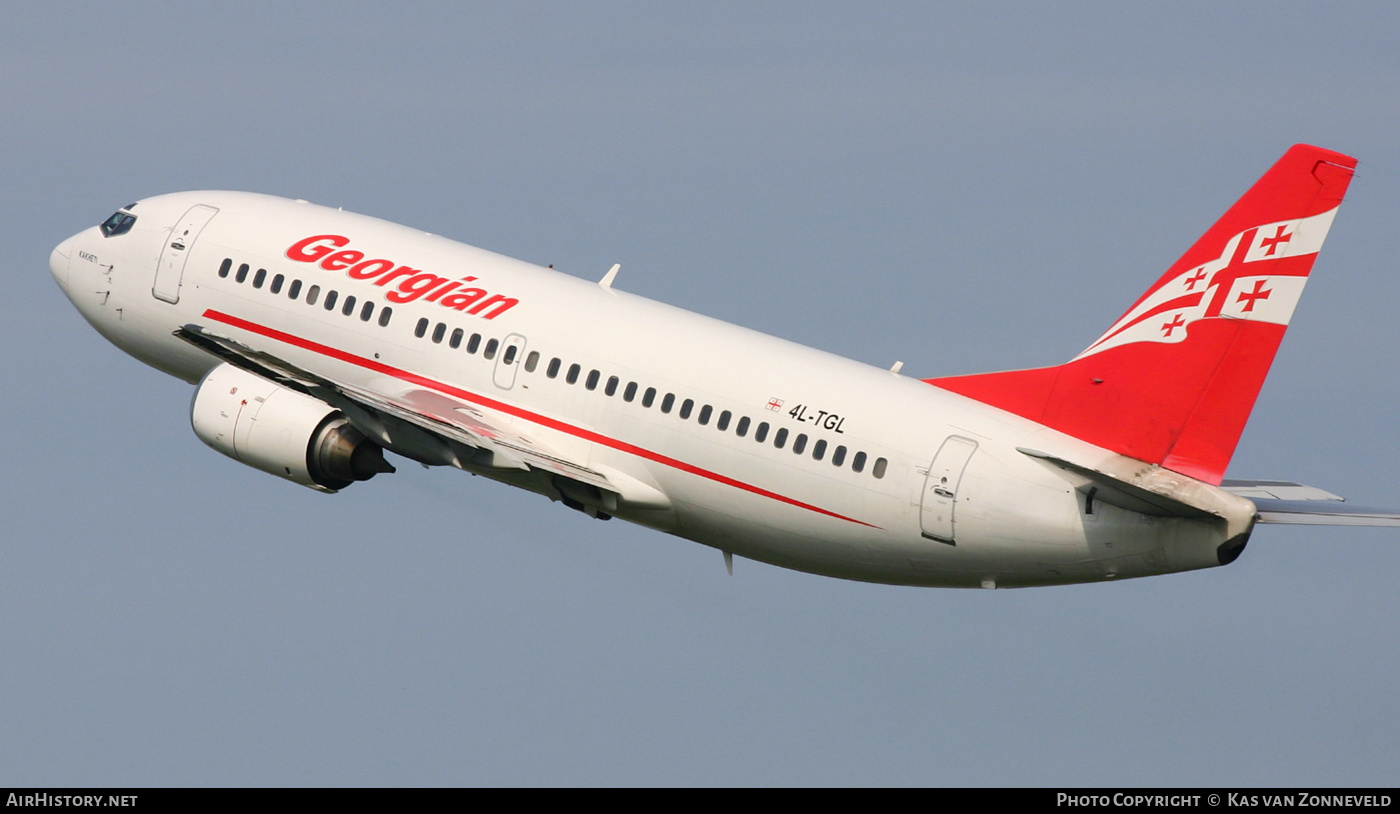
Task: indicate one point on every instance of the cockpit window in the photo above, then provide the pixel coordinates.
(119, 224)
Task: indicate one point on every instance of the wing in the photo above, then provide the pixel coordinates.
(433, 427)
(1294, 503)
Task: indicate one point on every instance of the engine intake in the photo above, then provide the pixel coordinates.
(282, 432)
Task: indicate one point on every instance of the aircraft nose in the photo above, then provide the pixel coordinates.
(59, 260)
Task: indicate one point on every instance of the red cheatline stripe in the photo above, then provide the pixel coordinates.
(544, 421)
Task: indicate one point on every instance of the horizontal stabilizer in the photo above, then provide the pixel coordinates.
(1152, 490)
(1293, 503)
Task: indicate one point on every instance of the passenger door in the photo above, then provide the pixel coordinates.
(177, 251)
(938, 508)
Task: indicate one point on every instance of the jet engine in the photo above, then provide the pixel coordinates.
(282, 432)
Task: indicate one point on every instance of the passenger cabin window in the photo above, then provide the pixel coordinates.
(490, 352)
(532, 361)
(553, 370)
(259, 278)
(879, 469)
(384, 316)
(225, 266)
(456, 340)
(686, 407)
(119, 224)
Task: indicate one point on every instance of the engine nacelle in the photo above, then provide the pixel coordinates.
(282, 432)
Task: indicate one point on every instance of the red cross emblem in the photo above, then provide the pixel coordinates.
(1259, 293)
(1272, 243)
(775, 404)
(1177, 322)
(1195, 278)
(1226, 277)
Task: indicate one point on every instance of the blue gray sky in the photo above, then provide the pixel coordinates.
(964, 188)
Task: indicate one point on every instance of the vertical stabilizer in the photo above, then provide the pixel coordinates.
(1174, 379)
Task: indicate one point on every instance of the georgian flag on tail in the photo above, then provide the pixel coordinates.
(1258, 276)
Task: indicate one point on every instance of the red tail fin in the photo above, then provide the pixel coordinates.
(1173, 381)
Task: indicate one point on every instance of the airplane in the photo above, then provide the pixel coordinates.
(317, 339)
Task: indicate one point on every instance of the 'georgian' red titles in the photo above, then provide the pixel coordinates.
(412, 284)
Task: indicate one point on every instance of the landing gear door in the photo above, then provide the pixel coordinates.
(177, 250)
(938, 507)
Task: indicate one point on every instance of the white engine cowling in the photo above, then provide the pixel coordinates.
(282, 432)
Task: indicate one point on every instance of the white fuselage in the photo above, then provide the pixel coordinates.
(981, 514)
